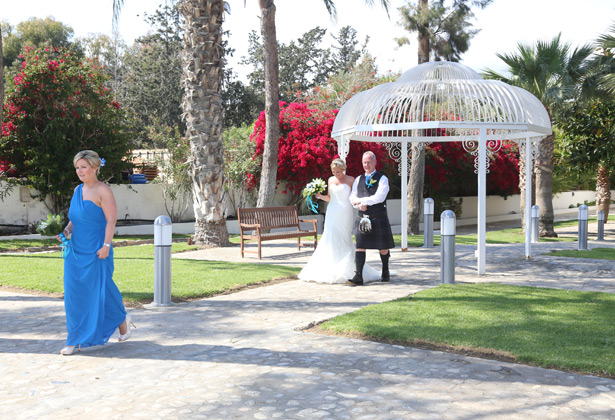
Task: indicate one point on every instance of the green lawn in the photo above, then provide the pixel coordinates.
(596, 253)
(134, 273)
(562, 329)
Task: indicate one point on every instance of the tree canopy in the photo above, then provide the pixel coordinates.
(59, 105)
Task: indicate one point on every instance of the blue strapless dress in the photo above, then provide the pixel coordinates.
(93, 303)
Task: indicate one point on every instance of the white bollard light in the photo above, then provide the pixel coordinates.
(428, 223)
(601, 225)
(447, 246)
(535, 217)
(582, 227)
(163, 239)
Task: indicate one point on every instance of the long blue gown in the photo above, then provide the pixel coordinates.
(93, 303)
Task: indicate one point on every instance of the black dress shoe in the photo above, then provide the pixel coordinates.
(385, 278)
(357, 280)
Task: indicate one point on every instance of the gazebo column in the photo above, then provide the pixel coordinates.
(404, 196)
(482, 201)
(528, 197)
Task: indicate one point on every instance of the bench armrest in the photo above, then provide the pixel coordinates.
(313, 221)
(251, 226)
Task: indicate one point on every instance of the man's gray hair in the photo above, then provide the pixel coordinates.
(370, 154)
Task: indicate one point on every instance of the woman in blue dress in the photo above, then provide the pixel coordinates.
(93, 303)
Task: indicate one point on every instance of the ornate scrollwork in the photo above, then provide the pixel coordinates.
(343, 147)
(471, 146)
(394, 151)
(522, 143)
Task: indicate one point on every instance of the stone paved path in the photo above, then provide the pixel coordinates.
(245, 356)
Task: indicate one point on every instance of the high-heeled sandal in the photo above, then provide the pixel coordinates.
(68, 350)
(129, 323)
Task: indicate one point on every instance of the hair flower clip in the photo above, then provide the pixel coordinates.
(102, 162)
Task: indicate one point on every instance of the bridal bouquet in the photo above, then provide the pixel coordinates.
(53, 226)
(318, 185)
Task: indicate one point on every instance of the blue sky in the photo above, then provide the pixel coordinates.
(502, 24)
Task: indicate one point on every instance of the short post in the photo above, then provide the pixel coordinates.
(582, 227)
(447, 247)
(535, 216)
(601, 225)
(428, 223)
(163, 229)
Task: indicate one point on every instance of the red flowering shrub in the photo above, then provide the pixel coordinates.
(306, 148)
(449, 170)
(57, 107)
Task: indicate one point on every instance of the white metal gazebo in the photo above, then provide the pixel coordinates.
(442, 102)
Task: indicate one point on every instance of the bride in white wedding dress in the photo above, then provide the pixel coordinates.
(333, 259)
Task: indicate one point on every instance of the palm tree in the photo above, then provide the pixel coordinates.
(606, 43)
(266, 191)
(555, 74)
(202, 105)
(443, 34)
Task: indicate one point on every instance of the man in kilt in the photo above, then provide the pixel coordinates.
(369, 193)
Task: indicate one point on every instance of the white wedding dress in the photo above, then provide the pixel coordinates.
(333, 259)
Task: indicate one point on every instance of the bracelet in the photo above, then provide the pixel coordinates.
(107, 245)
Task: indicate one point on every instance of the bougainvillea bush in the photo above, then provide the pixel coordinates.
(59, 105)
(449, 171)
(306, 148)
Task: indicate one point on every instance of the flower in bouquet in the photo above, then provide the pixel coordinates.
(52, 226)
(317, 185)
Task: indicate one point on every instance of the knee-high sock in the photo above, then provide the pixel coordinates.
(359, 261)
(385, 263)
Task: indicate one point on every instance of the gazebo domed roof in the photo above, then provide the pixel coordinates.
(438, 70)
(441, 101)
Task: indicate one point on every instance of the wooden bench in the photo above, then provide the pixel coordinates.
(256, 223)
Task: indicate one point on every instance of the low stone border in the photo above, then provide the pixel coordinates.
(55, 248)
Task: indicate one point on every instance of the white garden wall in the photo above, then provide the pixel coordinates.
(145, 202)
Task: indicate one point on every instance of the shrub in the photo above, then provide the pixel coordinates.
(59, 106)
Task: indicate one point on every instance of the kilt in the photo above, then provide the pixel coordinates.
(379, 238)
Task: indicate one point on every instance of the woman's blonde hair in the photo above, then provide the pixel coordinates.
(90, 156)
(338, 163)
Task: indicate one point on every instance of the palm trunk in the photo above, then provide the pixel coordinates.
(603, 191)
(416, 180)
(415, 187)
(202, 106)
(266, 191)
(544, 187)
